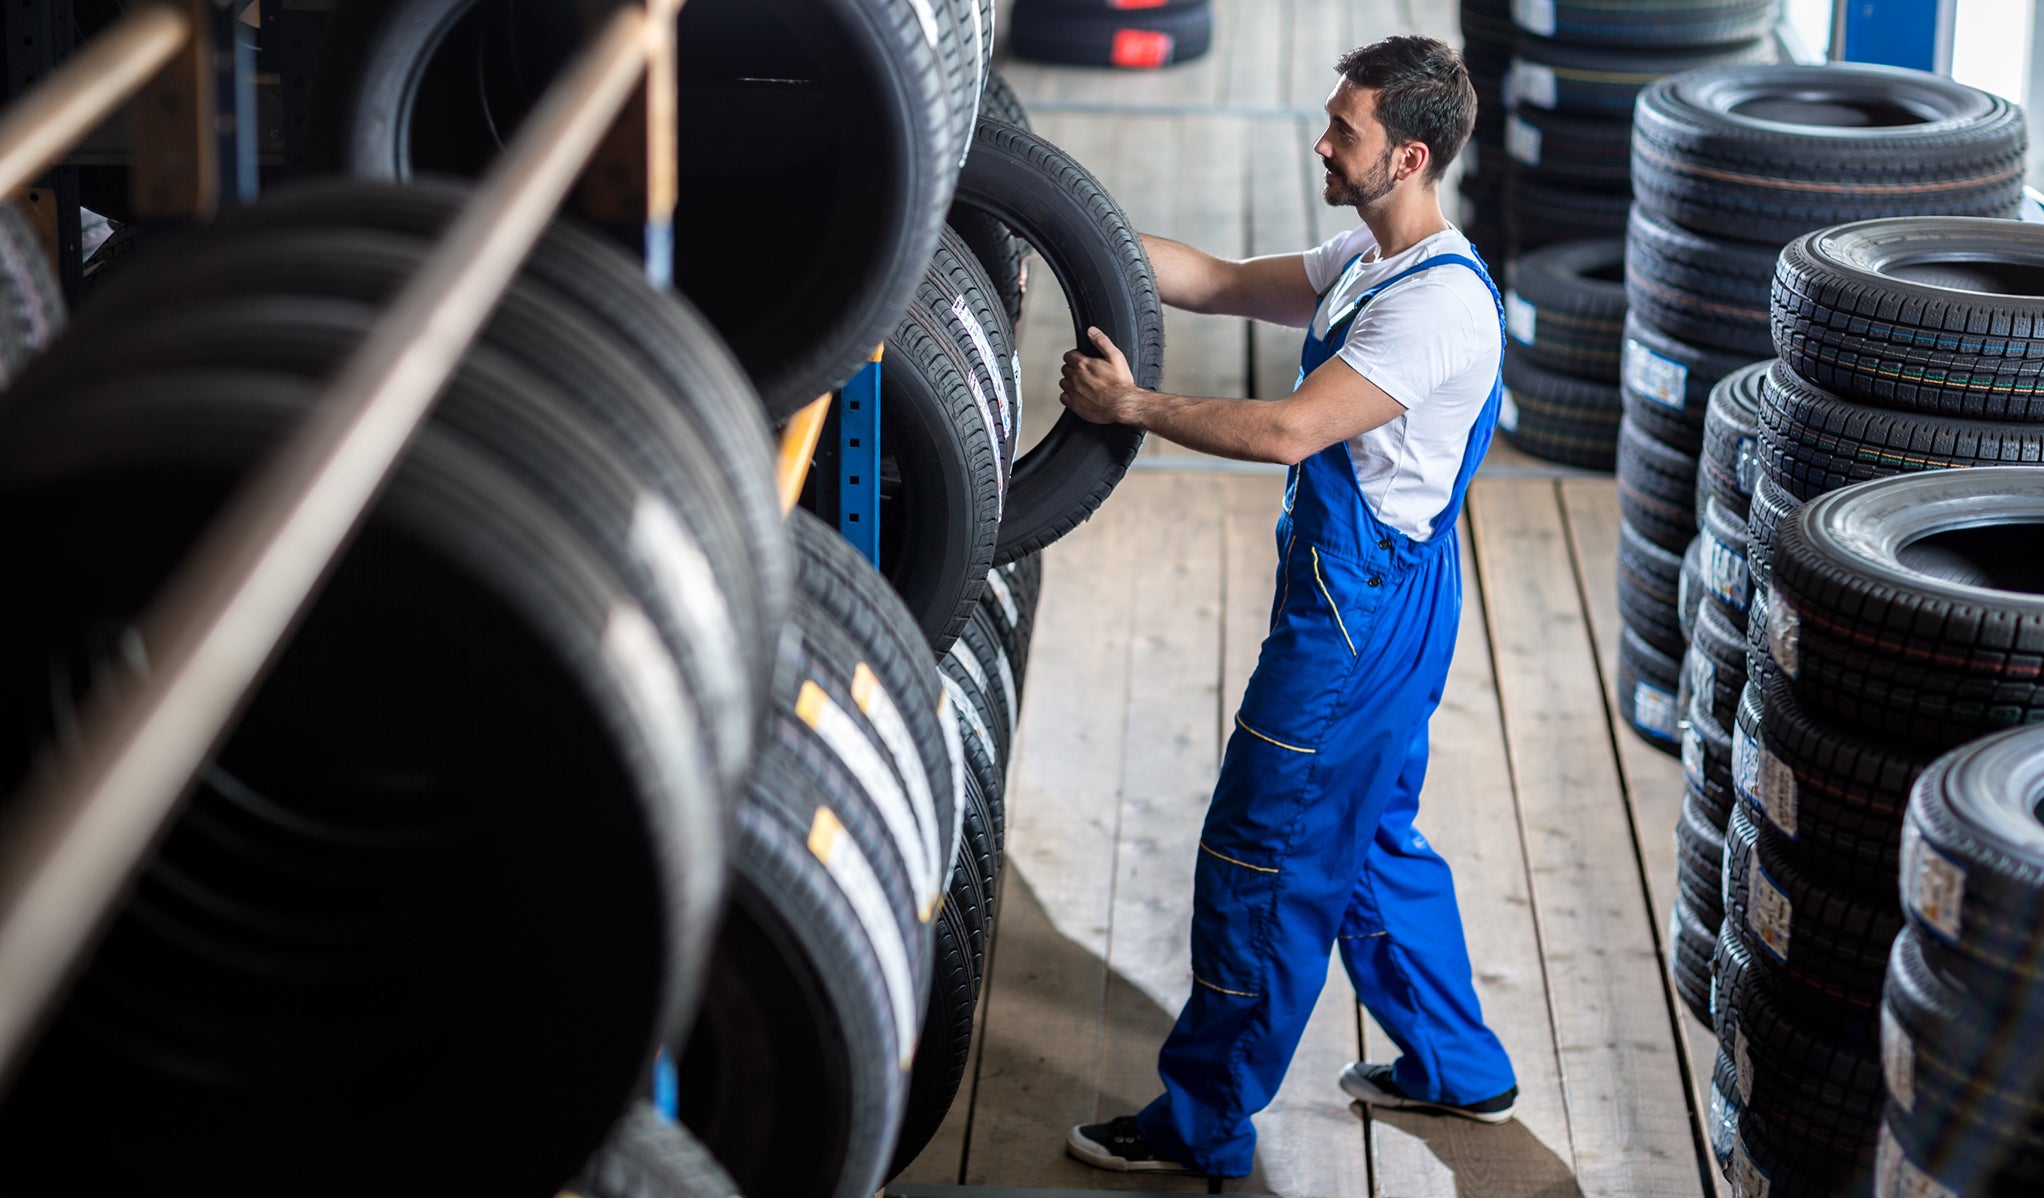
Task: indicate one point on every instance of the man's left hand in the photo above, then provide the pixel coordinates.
(1101, 390)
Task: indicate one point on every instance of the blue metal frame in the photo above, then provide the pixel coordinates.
(1901, 33)
(858, 459)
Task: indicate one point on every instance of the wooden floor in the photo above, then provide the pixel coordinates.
(1559, 823)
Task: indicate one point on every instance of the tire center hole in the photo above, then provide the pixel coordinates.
(2000, 557)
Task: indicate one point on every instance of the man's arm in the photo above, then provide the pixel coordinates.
(1332, 405)
(1273, 288)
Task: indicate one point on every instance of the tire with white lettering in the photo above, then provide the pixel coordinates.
(1646, 23)
(1557, 417)
(1911, 607)
(1052, 202)
(1540, 213)
(1668, 382)
(1137, 39)
(1565, 307)
(1729, 467)
(1962, 1107)
(648, 1157)
(1943, 315)
(1767, 153)
(1568, 76)
(1973, 869)
(1719, 671)
(1649, 582)
(1648, 680)
(1656, 488)
(1004, 258)
(1709, 291)
(1010, 603)
(966, 303)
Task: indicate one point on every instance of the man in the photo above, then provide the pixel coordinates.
(1309, 843)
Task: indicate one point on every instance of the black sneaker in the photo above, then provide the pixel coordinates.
(1118, 1145)
(1372, 1086)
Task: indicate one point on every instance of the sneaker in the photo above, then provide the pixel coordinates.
(1372, 1086)
(1120, 1146)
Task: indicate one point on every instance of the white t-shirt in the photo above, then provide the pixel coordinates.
(1432, 343)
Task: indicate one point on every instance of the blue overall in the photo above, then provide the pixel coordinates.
(1309, 841)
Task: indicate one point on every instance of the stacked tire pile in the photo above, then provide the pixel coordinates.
(1965, 1086)
(1576, 71)
(1564, 323)
(1487, 38)
(575, 688)
(1729, 164)
(1888, 619)
(1133, 35)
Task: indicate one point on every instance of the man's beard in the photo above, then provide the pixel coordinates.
(1344, 192)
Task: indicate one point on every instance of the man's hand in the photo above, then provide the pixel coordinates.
(1100, 390)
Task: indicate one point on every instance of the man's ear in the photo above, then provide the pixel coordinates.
(1413, 158)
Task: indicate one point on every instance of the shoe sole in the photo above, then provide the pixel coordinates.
(1369, 1095)
(1085, 1151)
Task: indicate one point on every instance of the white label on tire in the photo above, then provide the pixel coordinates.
(1784, 637)
(1768, 911)
(1746, 474)
(1663, 380)
(688, 584)
(1653, 709)
(1745, 765)
(829, 721)
(962, 705)
(1703, 677)
(977, 334)
(1508, 411)
(1534, 16)
(1522, 141)
(1742, 1064)
(1933, 885)
(1898, 1060)
(1724, 569)
(928, 17)
(1692, 755)
(830, 844)
(954, 749)
(872, 699)
(1748, 1181)
(1896, 1176)
(1777, 789)
(1522, 320)
(1005, 598)
(1532, 83)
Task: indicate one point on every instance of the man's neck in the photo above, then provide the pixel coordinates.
(1404, 221)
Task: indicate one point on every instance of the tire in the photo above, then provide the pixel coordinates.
(1820, 947)
(1138, 39)
(1488, 23)
(1727, 581)
(1703, 290)
(31, 303)
(976, 662)
(1652, 23)
(1672, 381)
(1647, 682)
(1718, 668)
(408, 944)
(1914, 1157)
(1840, 797)
(1937, 315)
(1539, 213)
(1700, 861)
(1656, 488)
(1004, 258)
(1011, 609)
(982, 337)
(1813, 441)
(1553, 416)
(1690, 940)
(1689, 592)
(1886, 620)
(1565, 308)
(1588, 152)
(1973, 873)
(1707, 756)
(1965, 1108)
(944, 1047)
(648, 1157)
(394, 97)
(1767, 153)
(1729, 467)
(1721, 1126)
(1771, 506)
(1569, 77)
(1649, 585)
(1051, 202)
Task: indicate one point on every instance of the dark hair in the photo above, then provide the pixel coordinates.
(1423, 94)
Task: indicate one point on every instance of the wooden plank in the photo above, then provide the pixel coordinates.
(1653, 780)
(1621, 1071)
(1039, 1069)
(1467, 811)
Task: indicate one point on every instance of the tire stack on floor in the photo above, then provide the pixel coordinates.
(1576, 70)
(1135, 35)
(1564, 322)
(1487, 37)
(1965, 990)
(1883, 617)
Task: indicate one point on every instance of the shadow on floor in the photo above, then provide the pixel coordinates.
(1504, 1161)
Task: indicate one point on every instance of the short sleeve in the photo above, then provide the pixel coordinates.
(1324, 261)
(1419, 337)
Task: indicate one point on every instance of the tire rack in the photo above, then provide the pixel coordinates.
(87, 819)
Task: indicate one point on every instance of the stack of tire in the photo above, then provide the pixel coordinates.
(1564, 323)
(1964, 996)
(1576, 70)
(1729, 164)
(1888, 616)
(1487, 38)
(1134, 35)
